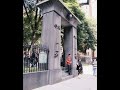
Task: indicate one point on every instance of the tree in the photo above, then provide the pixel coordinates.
(31, 23)
(86, 30)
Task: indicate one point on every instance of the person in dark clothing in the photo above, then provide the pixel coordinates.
(37, 57)
(26, 59)
(33, 58)
(79, 67)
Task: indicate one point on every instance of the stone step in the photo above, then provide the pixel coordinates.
(67, 77)
(64, 73)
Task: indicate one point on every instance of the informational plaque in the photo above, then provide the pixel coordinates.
(43, 57)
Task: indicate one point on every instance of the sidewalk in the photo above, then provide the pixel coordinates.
(82, 82)
(88, 69)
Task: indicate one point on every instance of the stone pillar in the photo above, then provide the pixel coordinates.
(51, 37)
(74, 71)
(68, 42)
(70, 46)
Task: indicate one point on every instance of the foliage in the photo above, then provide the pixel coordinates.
(86, 31)
(31, 24)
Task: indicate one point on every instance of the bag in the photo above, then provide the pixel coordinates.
(77, 67)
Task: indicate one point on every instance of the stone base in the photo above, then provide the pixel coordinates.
(67, 77)
(74, 72)
(55, 76)
(35, 80)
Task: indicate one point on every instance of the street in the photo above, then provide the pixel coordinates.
(86, 81)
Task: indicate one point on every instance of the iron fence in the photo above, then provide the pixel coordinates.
(36, 63)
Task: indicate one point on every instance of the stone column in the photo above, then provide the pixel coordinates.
(70, 45)
(74, 59)
(51, 37)
(68, 42)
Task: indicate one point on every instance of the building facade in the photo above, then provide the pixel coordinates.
(90, 10)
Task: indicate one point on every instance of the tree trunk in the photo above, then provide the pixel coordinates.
(35, 27)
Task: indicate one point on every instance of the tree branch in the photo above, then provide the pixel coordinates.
(36, 17)
(27, 14)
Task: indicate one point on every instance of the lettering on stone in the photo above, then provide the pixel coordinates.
(75, 37)
(56, 51)
(57, 27)
(75, 56)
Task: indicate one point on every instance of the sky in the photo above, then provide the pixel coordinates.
(82, 1)
(94, 7)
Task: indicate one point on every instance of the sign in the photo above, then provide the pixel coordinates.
(43, 57)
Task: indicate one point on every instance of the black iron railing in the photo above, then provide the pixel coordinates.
(37, 63)
(29, 66)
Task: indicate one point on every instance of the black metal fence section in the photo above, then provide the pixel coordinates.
(33, 64)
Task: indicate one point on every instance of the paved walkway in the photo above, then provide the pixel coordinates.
(88, 69)
(86, 81)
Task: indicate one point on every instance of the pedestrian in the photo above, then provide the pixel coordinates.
(69, 62)
(79, 67)
(26, 59)
(94, 67)
(33, 57)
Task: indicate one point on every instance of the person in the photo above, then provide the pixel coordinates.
(94, 66)
(33, 58)
(61, 59)
(37, 57)
(69, 62)
(26, 59)
(79, 66)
